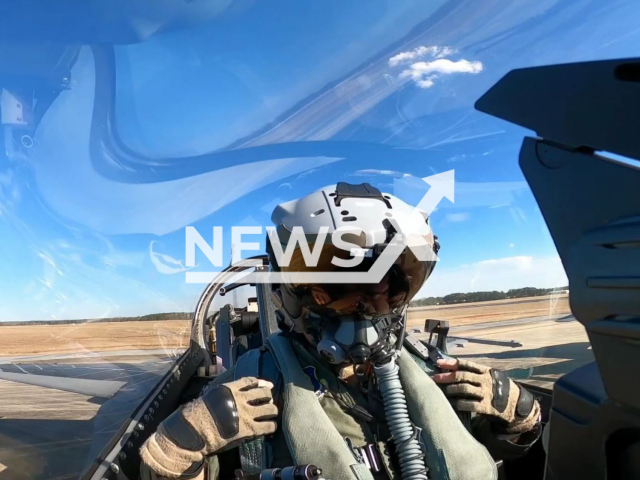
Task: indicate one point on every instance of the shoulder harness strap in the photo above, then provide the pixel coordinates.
(256, 363)
(426, 356)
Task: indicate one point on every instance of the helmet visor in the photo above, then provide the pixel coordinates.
(386, 297)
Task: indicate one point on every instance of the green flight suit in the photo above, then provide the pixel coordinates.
(359, 417)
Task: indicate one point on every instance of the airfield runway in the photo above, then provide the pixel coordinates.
(47, 433)
(535, 350)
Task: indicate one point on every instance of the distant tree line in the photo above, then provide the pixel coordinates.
(144, 318)
(450, 299)
(165, 316)
(453, 298)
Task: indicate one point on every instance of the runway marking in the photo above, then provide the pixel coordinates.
(112, 377)
(502, 332)
(20, 368)
(107, 368)
(37, 366)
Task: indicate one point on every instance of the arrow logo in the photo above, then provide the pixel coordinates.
(413, 226)
(442, 186)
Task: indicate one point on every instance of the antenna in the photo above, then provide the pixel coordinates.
(233, 247)
(234, 295)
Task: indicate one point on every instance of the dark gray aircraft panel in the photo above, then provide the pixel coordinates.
(591, 205)
(600, 100)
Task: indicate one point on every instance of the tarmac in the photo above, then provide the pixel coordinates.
(549, 347)
(47, 433)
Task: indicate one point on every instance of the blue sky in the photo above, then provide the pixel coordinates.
(291, 98)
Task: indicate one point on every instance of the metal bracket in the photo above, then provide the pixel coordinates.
(439, 328)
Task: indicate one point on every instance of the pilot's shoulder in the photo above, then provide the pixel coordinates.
(426, 364)
(258, 363)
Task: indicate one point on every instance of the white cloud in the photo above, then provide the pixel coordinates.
(458, 217)
(420, 52)
(495, 274)
(512, 245)
(425, 73)
(426, 83)
(367, 172)
(443, 66)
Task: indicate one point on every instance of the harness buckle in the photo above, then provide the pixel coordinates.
(367, 455)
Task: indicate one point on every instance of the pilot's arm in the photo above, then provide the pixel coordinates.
(507, 416)
(221, 418)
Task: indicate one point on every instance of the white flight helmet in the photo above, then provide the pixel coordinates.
(350, 321)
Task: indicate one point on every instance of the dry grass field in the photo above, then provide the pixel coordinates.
(172, 334)
(48, 433)
(495, 311)
(93, 337)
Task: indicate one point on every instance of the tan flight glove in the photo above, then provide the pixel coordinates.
(147, 474)
(480, 389)
(221, 418)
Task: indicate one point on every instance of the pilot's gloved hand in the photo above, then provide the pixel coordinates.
(480, 389)
(221, 418)
(147, 474)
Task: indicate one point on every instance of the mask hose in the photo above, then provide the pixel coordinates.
(404, 434)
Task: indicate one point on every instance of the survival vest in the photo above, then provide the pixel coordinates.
(452, 453)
